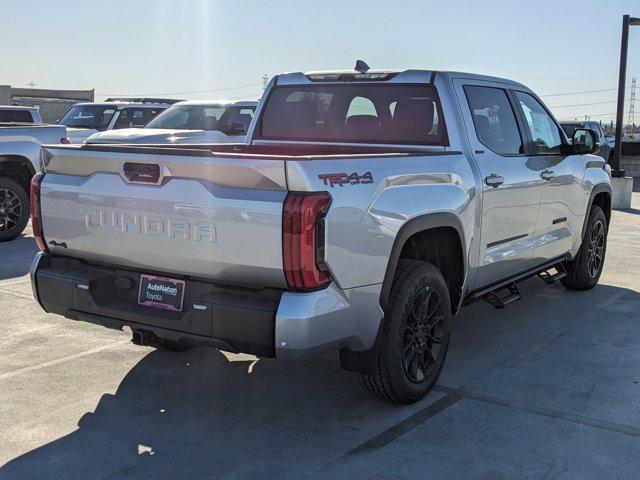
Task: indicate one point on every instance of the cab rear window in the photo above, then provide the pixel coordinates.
(354, 113)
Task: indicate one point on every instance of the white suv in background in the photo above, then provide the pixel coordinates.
(84, 119)
(192, 121)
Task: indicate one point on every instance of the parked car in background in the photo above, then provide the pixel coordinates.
(366, 208)
(193, 121)
(84, 119)
(19, 160)
(607, 144)
(16, 114)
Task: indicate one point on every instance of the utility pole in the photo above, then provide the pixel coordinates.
(627, 21)
(265, 81)
(632, 104)
(31, 84)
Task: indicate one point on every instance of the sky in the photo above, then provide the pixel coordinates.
(211, 49)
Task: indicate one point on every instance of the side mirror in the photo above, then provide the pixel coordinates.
(585, 141)
(236, 128)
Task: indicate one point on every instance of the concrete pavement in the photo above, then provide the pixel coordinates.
(548, 387)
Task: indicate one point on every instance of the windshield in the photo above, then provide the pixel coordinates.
(202, 117)
(88, 116)
(569, 129)
(359, 113)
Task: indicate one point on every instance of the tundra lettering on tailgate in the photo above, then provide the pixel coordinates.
(113, 221)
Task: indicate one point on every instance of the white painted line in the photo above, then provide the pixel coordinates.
(57, 361)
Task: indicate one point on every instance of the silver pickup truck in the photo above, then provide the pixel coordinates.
(367, 207)
(20, 145)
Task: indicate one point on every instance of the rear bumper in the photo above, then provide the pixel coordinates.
(268, 322)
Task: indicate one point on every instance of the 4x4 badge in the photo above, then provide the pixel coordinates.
(342, 179)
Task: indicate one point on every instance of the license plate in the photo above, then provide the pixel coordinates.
(161, 292)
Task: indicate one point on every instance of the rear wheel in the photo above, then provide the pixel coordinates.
(14, 209)
(584, 271)
(414, 336)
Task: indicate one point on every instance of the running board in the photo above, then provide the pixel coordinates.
(503, 293)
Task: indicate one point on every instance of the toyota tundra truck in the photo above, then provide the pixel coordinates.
(366, 208)
(20, 145)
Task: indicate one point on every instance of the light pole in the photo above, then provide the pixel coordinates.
(627, 21)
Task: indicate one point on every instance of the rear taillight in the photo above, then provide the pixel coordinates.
(36, 216)
(303, 240)
(65, 141)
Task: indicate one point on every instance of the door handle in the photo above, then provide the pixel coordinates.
(548, 175)
(494, 180)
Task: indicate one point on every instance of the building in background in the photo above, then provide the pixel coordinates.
(53, 104)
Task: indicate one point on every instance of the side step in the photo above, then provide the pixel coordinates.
(500, 301)
(503, 293)
(549, 278)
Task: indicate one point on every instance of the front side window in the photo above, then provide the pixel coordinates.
(494, 120)
(88, 116)
(354, 113)
(544, 131)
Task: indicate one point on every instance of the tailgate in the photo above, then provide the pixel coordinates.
(186, 212)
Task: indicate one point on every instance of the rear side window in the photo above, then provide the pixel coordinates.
(235, 116)
(354, 113)
(494, 120)
(135, 117)
(18, 116)
(544, 131)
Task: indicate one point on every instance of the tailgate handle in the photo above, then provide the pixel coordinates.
(142, 172)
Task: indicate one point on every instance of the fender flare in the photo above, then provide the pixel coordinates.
(365, 362)
(599, 188)
(18, 158)
(421, 223)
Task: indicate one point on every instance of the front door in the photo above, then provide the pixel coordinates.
(559, 223)
(511, 185)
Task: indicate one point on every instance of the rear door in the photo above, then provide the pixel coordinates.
(511, 184)
(559, 222)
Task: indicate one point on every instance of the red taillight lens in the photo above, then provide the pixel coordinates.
(303, 240)
(65, 141)
(36, 216)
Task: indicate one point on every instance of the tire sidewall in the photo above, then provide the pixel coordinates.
(7, 183)
(583, 262)
(419, 275)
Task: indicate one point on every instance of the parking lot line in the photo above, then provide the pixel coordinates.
(569, 417)
(57, 361)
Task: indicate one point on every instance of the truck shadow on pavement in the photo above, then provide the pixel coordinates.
(201, 413)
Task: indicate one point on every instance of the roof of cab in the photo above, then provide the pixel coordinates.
(18, 107)
(396, 76)
(225, 103)
(120, 105)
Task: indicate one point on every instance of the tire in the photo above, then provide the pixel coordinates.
(584, 271)
(14, 209)
(413, 339)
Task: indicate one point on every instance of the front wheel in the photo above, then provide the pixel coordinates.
(414, 336)
(14, 209)
(584, 271)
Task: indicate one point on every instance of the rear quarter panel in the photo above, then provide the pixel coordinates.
(364, 218)
(26, 142)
